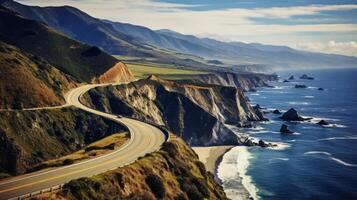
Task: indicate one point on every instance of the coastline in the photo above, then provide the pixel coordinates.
(218, 160)
(211, 156)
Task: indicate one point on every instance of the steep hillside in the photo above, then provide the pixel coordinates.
(82, 27)
(28, 81)
(196, 112)
(30, 137)
(81, 61)
(85, 28)
(172, 173)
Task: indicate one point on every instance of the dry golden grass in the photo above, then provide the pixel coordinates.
(118, 139)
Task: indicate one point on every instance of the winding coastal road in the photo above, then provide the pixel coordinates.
(144, 139)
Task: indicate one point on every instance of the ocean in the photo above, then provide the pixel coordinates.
(315, 162)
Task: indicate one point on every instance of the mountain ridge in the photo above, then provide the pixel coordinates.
(139, 41)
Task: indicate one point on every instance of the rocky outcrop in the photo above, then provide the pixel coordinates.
(306, 77)
(322, 123)
(245, 81)
(118, 73)
(300, 86)
(284, 129)
(172, 173)
(276, 111)
(292, 115)
(31, 137)
(196, 112)
(291, 78)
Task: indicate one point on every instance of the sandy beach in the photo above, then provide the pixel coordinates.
(211, 156)
(237, 185)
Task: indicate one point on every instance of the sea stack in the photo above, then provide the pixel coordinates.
(306, 77)
(276, 111)
(291, 78)
(322, 123)
(292, 115)
(285, 130)
(300, 86)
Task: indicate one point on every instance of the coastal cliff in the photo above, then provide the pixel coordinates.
(199, 113)
(244, 81)
(174, 172)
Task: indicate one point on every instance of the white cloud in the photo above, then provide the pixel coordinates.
(347, 48)
(226, 24)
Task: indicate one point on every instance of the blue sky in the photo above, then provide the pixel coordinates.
(316, 25)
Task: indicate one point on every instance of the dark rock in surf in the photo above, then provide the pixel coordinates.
(291, 78)
(276, 111)
(300, 86)
(321, 89)
(263, 144)
(292, 115)
(285, 130)
(306, 77)
(322, 123)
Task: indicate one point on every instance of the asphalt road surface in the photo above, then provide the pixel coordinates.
(145, 138)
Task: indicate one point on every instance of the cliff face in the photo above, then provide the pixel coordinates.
(30, 137)
(246, 82)
(196, 112)
(172, 173)
(118, 73)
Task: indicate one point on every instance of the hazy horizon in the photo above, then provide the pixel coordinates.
(319, 26)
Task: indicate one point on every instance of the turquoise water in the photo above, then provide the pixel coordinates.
(318, 162)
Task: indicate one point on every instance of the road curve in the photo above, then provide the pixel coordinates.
(144, 139)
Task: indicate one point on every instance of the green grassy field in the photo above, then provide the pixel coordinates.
(143, 71)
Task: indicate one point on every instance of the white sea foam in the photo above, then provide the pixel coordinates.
(318, 152)
(258, 132)
(298, 103)
(310, 87)
(335, 126)
(309, 97)
(233, 168)
(339, 138)
(279, 87)
(343, 162)
(282, 159)
(254, 94)
(280, 146)
(329, 155)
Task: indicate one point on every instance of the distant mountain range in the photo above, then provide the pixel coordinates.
(138, 41)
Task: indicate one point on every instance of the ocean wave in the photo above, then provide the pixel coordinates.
(339, 138)
(309, 97)
(335, 126)
(318, 152)
(254, 94)
(258, 132)
(343, 162)
(311, 87)
(298, 103)
(234, 167)
(283, 159)
(315, 120)
(279, 87)
(339, 161)
(280, 146)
